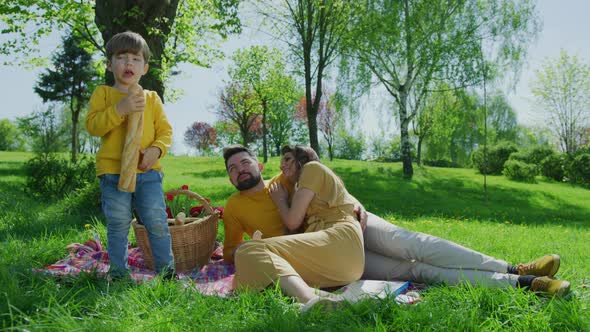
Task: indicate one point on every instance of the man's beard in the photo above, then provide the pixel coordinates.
(249, 183)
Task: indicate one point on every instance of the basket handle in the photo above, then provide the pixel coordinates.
(191, 194)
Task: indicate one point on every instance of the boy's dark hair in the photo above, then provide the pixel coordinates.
(128, 42)
(229, 151)
(302, 154)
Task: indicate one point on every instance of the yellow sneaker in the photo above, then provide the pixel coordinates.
(544, 266)
(550, 286)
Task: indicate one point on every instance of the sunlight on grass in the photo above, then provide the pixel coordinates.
(519, 222)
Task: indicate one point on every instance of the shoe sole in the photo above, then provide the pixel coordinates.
(556, 266)
(563, 289)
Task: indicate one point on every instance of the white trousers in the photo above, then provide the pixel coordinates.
(394, 253)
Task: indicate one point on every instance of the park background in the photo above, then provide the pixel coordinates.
(533, 199)
(564, 27)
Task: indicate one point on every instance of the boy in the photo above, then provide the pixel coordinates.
(127, 58)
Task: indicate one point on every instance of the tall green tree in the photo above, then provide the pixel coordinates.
(240, 107)
(313, 30)
(282, 125)
(10, 136)
(44, 130)
(562, 88)
(262, 69)
(328, 119)
(176, 31)
(71, 82)
(409, 45)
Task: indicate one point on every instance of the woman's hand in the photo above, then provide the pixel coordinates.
(278, 193)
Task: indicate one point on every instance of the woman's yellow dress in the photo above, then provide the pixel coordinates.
(330, 251)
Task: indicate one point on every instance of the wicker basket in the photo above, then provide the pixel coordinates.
(192, 243)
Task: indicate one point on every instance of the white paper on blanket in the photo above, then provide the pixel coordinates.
(377, 288)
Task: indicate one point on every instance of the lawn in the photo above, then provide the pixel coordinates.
(517, 222)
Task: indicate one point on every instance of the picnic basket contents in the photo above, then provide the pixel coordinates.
(193, 238)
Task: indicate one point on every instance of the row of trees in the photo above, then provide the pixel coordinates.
(425, 53)
(408, 46)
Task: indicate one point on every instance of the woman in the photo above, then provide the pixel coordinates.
(328, 253)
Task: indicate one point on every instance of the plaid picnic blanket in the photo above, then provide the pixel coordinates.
(214, 278)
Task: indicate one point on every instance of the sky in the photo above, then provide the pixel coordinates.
(565, 26)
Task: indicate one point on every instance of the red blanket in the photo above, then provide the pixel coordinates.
(214, 278)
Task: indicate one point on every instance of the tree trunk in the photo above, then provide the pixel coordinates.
(419, 151)
(408, 170)
(312, 124)
(114, 16)
(264, 140)
(75, 111)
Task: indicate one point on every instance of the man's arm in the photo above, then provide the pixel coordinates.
(234, 233)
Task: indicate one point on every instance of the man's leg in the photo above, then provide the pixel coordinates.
(379, 267)
(386, 239)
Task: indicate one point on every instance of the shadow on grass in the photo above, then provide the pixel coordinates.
(216, 173)
(387, 192)
(12, 168)
(23, 216)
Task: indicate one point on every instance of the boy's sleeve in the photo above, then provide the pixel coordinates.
(102, 117)
(163, 138)
(234, 232)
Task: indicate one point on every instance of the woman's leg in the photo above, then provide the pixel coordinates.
(318, 259)
(295, 287)
(386, 239)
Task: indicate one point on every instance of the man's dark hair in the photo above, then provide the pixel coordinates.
(229, 151)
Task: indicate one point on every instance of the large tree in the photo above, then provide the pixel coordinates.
(409, 45)
(45, 131)
(200, 136)
(10, 136)
(313, 30)
(240, 106)
(262, 70)
(176, 31)
(71, 81)
(328, 119)
(562, 88)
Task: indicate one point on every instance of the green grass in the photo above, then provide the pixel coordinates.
(518, 222)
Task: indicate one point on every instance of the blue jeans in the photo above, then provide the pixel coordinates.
(148, 201)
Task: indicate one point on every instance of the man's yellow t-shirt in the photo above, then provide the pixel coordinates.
(247, 213)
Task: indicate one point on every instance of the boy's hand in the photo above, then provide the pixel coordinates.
(148, 157)
(134, 102)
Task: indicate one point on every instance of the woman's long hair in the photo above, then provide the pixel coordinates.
(302, 154)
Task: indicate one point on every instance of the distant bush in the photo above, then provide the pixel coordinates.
(553, 167)
(519, 171)
(496, 157)
(439, 163)
(349, 145)
(533, 156)
(50, 176)
(578, 169)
